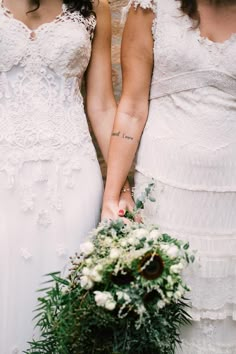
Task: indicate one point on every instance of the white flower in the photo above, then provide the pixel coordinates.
(86, 271)
(124, 243)
(161, 304)
(101, 297)
(154, 235)
(172, 252)
(176, 268)
(95, 276)
(105, 299)
(133, 240)
(139, 234)
(169, 294)
(115, 253)
(107, 241)
(98, 268)
(110, 305)
(86, 282)
(88, 261)
(87, 248)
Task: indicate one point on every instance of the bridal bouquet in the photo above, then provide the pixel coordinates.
(124, 294)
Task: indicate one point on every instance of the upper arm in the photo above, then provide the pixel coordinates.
(137, 59)
(99, 91)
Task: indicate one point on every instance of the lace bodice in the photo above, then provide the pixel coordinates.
(189, 139)
(42, 118)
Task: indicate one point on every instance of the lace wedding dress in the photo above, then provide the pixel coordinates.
(189, 148)
(50, 180)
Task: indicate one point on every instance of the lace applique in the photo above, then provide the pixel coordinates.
(44, 218)
(88, 22)
(61, 251)
(25, 254)
(44, 134)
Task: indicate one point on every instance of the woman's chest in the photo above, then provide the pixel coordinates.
(63, 46)
(180, 47)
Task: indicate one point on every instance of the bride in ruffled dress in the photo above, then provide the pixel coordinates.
(179, 101)
(50, 181)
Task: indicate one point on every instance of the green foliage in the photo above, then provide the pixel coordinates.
(72, 323)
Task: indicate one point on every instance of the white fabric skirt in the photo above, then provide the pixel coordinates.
(207, 220)
(41, 225)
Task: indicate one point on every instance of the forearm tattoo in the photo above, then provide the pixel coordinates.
(118, 134)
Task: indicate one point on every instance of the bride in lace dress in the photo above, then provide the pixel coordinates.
(179, 73)
(50, 181)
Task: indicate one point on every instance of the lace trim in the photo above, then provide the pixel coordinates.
(65, 15)
(219, 314)
(144, 4)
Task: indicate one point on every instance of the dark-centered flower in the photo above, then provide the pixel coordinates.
(151, 266)
(123, 277)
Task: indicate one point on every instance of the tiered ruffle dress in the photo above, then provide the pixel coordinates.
(189, 148)
(50, 181)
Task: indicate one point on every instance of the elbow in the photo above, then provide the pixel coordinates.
(134, 109)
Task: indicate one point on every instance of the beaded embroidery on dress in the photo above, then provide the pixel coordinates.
(188, 147)
(49, 173)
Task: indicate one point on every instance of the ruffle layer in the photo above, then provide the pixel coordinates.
(207, 221)
(209, 337)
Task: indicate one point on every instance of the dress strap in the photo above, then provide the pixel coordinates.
(194, 80)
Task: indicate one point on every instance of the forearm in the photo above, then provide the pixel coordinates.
(125, 139)
(102, 125)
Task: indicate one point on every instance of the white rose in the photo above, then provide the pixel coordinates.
(100, 298)
(87, 248)
(95, 276)
(140, 233)
(105, 299)
(154, 235)
(86, 282)
(172, 252)
(110, 305)
(88, 261)
(115, 253)
(98, 268)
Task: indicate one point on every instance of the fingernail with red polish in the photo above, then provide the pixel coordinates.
(121, 212)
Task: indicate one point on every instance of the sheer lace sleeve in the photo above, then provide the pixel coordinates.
(144, 4)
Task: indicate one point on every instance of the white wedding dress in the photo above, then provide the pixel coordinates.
(189, 149)
(50, 181)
